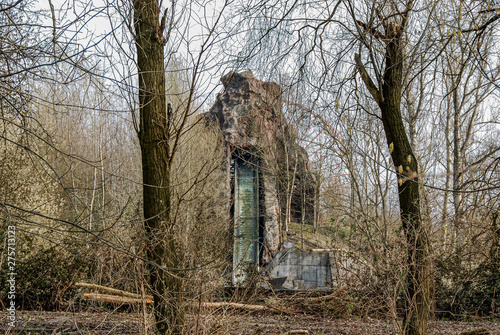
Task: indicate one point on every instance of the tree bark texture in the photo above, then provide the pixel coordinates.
(388, 97)
(457, 163)
(154, 142)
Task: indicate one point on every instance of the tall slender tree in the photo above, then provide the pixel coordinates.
(156, 165)
(388, 96)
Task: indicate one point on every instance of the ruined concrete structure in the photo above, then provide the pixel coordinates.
(267, 171)
(303, 269)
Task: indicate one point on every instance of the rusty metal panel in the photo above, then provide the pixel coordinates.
(246, 221)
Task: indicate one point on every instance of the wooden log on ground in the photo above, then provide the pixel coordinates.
(480, 331)
(114, 299)
(323, 298)
(112, 290)
(233, 305)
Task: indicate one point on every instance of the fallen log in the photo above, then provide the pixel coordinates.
(323, 298)
(480, 331)
(128, 298)
(114, 299)
(112, 290)
(232, 304)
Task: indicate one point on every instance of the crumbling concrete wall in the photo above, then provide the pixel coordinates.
(303, 269)
(250, 116)
(249, 111)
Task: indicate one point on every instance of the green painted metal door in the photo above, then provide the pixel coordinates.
(246, 221)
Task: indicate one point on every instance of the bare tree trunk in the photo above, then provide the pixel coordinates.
(495, 245)
(418, 278)
(154, 141)
(388, 97)
(457, 161)
(444, 220)
(316, 202)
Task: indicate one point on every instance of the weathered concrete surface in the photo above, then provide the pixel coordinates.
(313, 268)
(250, 115)
(249, 111)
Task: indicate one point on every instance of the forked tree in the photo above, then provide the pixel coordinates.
(388, 93)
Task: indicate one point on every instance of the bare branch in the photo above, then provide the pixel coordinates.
(374, 91)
